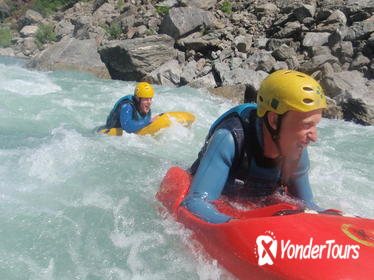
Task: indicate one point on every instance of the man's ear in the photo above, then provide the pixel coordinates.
(272, 119)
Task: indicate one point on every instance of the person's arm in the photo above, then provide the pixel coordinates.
(299, 185)
(211, 177)
(128, 123)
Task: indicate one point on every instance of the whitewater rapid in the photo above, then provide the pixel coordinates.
(77, 205)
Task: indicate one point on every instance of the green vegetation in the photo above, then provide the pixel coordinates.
(121, 4)
(113, 31)
(162, 10)
(5, 37)
(150, 32)
(46, 7)
(45, 34)
(226, 7)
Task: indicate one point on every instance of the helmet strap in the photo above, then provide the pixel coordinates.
(273, 132)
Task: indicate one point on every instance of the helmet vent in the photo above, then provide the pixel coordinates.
(308, 101)
(308, 89)
(261, 99)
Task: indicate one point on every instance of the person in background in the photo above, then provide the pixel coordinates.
(254, 150)
(132, 112)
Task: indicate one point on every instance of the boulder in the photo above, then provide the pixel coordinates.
(7, 52)
(235, 93)
(314, 39)
(71, 54)
(29, 30)
(360, 30)
(207, 81)
(133, 59)
(168, 74)
(205, 5)
(31, 17)
(182, 21)
(4, 10)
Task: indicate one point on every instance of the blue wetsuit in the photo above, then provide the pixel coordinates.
(125, 115)
(220, 167)
(131, 124)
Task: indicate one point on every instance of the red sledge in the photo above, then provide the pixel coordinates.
(279, 241)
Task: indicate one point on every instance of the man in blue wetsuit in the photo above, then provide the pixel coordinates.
(253, 150)
(132, 112)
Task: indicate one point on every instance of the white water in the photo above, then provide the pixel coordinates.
(77, 205)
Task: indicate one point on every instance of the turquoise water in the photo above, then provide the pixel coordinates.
(76, 205)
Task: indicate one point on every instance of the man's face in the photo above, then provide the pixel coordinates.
(145, 105)
(298, 129)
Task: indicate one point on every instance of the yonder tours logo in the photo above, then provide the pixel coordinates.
(269, 249)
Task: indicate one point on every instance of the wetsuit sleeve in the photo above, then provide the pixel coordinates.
(128, 123)
(299, 185)
(211, 177)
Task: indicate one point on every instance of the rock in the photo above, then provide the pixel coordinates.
(98, 3)
(205, 5)
(207, 81)
(235, 93)
(29, 30)
(243, 76)
(7, 52)
(359, 61)
(64, 28)
(304, 11)
(320, 50)
(131, 60)
(286, 6)
(283, 53)
(199, 43)
(357, 111)
(4, 10)
(183, 21)
(291, 29)
(313, 39)
(29, 46)
(243, 43)
(31, 17)
(317, 62)
(359, 30)
(71, 54)
(261, 60)
(188, 72)
(106, 13)
(333, 111)
(168, 74)
(334, 21)
(267, 9)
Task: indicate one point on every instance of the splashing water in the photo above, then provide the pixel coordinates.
(77, 205)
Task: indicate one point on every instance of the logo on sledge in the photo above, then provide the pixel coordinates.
(266, 248)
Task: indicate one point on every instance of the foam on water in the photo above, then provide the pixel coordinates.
(77, 205)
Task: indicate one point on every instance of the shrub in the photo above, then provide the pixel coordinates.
(226, 7)
(113, 31)
(46, 7)
(5, 37)
(162, 10)
(45, 34)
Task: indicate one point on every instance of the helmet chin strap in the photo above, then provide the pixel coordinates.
(274, 132)
(285, 167)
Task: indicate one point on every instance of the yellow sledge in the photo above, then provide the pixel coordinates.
(164, 120)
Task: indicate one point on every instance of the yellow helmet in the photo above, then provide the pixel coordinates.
(286, 90)
(144, 90)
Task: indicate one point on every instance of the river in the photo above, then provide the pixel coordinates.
(78, 205)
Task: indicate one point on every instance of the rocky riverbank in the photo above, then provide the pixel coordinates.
(227, 47)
